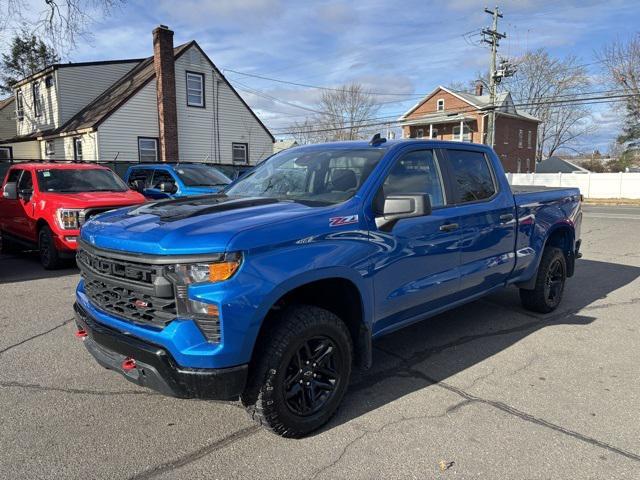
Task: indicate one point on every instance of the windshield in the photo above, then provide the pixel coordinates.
(202, 177)
(80, 180)
(320, 176)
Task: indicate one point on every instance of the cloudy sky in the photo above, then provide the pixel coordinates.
(405, 47)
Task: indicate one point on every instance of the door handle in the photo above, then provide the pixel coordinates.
(507, 217)
(449, 227)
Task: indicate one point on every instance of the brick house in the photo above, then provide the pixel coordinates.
(445, 114)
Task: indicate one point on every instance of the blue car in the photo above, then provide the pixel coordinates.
(169, 180)
(272, 290)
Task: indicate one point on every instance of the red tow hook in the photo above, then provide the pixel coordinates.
(80, 333)
(128, 364)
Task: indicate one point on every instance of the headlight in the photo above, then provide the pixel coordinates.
(218, 271)
(69, 218)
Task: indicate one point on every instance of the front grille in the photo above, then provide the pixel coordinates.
(118, 269)
(130, 304)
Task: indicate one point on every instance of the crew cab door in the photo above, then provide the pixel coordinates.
(415, 269)
(12, 211)
(487, 221)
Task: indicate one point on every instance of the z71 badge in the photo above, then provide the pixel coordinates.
(339, 221)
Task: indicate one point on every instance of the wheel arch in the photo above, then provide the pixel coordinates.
(334, 291)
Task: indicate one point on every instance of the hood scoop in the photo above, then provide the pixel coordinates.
(183, 208)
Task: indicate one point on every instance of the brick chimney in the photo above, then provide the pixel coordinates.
(163, 62)
(479, 88)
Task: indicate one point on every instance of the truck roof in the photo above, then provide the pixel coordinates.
(57, 166)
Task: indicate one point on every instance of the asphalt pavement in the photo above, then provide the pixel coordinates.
(487, 390)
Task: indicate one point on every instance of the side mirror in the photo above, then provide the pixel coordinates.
(10, 191)
(397, 207)
(167, 187)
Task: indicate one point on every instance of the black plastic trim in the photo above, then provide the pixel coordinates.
(155, 367)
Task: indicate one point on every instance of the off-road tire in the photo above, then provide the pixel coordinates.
(49, 255)
(264, 396)
(539, 299)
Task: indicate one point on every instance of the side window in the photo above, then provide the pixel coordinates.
(160, 177)
(416, 172)
(139, 175)
(14, 175)
(472, 175)
(26, 182)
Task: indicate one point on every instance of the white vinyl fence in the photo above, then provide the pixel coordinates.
(591, 185)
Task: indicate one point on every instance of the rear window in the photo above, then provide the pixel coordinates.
(472, 175)
(80, 180)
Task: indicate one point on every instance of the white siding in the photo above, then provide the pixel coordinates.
(197, 126)
(79, 85)
(48, 119)
(63, 147)
(24, 150)
(138, 117)
(8, 121)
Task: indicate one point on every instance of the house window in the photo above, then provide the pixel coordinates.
(48, 81)
(6, 153)
(466, 133)
(77, 148)
(147, 149)
(49, 148)
(528, 163)
(195, 89)
(519, 166)
(520, 138)
(19, 105)
(240, 153)
(37, 102)
(529, 139)
(506, 134)
(420, 133)
(440, 104)
(434, 133)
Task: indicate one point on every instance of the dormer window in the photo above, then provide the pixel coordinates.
(440, 104)
(19, 106)
(37, 102)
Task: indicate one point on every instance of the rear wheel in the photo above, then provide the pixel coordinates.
(550, 280)
(49, 255)
(301, 372)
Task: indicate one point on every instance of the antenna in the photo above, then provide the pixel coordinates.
(377, 140)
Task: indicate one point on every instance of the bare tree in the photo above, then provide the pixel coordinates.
(539, 86)
(621, 59)
(59, 22)
(343, 114)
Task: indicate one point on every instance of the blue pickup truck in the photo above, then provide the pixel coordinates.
(270, 290)
(174, 180)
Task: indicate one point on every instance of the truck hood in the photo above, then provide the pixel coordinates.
(191, 225)
(95, 199)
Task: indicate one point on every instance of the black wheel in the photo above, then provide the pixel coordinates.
(49, 255)
(550, 280)
(301, 372)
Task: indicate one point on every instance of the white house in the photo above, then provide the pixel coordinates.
(174, 105)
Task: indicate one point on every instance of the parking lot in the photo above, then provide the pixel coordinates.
(485, 391)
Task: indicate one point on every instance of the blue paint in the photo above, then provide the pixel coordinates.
(404, 275)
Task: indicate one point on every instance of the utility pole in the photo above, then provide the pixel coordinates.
(493, 37)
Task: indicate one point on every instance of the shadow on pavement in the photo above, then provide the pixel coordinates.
(25, 266)
(438, 348)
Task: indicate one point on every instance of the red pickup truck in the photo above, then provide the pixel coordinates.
(43, 205)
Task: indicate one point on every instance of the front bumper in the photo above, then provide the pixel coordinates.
(155, 368)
